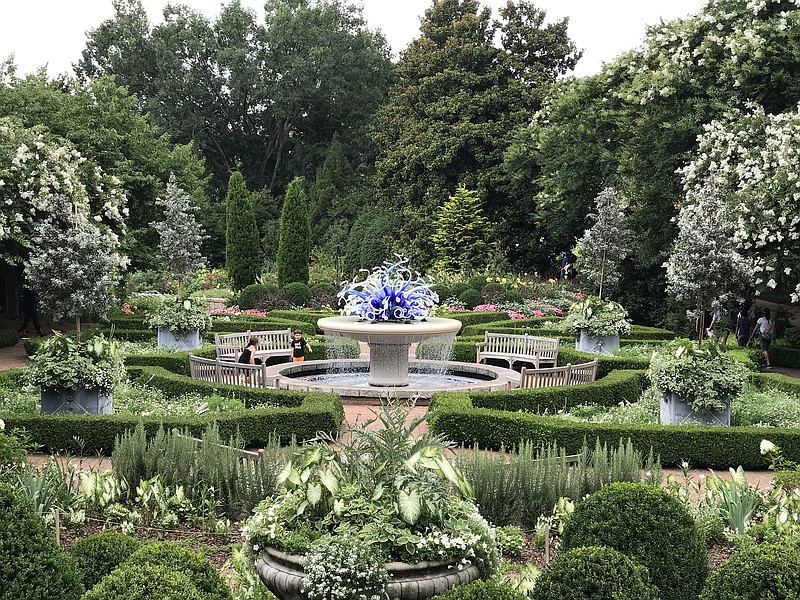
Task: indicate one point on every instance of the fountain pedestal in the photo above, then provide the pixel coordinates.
(389, 342)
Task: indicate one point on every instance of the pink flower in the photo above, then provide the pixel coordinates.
(538, 313)
(512, 314)
(485, 308)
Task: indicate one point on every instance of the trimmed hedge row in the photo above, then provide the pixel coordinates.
(520, 326)
(716, 447)
(301, 415)
(309, 317)
(608, 391)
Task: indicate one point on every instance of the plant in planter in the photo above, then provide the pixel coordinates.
(77, 377)
(385, 488)
(697, 384)
(180, 322)
(597, 324)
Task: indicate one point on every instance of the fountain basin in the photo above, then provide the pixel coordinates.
(389, 342)
(328, 375)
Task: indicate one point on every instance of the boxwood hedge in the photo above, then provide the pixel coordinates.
(457, 418)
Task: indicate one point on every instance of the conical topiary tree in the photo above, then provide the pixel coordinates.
(329, 193)
(242, 256)
(461, 231)
(294, 245)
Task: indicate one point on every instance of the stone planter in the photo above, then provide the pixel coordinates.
(283, 575)
(675, 411)
(180, 342)
(66, 401)
(605, 344)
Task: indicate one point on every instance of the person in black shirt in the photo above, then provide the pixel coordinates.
(299, 346)
(248, 355)
(30, 311)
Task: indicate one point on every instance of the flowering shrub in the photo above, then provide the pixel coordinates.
(207, 279)
(706, 379)
(390, 293)
(235, 312)
(344, 568)
(63, 362)
(598, 317)
(181, 316)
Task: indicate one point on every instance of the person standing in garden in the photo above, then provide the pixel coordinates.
(766, 329)
(299, 346)
(30, 311)
(744, 326)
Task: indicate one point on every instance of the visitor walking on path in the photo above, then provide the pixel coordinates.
(30, 311)
(744, 326)
(766, 329)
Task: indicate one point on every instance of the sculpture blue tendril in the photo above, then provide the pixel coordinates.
(390, 293)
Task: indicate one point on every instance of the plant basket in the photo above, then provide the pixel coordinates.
(283, 575)
(676, 411)
(190, 340)
(80, 401)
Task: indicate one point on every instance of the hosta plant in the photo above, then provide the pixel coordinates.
(598, 317)
(181, 315)
(386, 487)
(705, 378)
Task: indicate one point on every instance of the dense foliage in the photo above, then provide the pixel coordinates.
(294, 246)
(242, 258)
(597, 317)
(181, 315)
(651, 527)
(461, 233)
(99, 554)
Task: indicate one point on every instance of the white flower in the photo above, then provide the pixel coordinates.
(766, 447)
(2, 425)
(187, 304)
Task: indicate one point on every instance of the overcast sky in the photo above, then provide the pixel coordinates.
(52, 32)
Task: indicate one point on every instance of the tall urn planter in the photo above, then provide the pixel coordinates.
(283, 575)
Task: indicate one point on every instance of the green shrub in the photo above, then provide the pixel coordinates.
(481, 590)
(492, 293)
(8, 337)
(595, 573)
(471, 298)
(476, 282)
(183, 560)
(648, 525)
(323, 294)
(459, 288)
(146, 582)
(97, 555)
(258, 295)
(512, 296)
(296, 293)
(756, 573)
(242, 257)
(792, 336)
(32, 566)
(294, 245)
(510, 539)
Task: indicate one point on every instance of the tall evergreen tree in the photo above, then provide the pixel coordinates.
(242, 256)
(460, 233)
(329, 192)
(294, 246)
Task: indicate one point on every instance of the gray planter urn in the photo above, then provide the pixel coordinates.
(66, 401)
(180, 342)
(605, 344)
(675, 411)
(283, 575)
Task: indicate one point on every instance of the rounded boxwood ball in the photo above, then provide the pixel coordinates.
(763, 572)
(482, 590)
(595, 572)
(470, 298)
(32, 566)
(296, 293)
(648, 525)
(97, 555)
(144, 582)
(180, 559)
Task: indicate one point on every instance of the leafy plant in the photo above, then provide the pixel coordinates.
(736, 500)
(97, 555)
(510, 539)
(62, 362)
(705, 378)
(181, 315)
(597, 316)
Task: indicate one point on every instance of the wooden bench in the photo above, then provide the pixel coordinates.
(556, 376)
(270, 343)
(229, 372)
(513, 348)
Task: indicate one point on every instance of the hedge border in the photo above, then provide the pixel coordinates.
(301, 415)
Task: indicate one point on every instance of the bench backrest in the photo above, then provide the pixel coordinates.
(230, 373)
(527, 345)
(279, 339)
(557, 376)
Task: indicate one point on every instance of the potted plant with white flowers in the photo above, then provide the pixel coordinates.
(384, 513)
(77, 377)
(696, 384)
(180, 322)
(597, 324)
